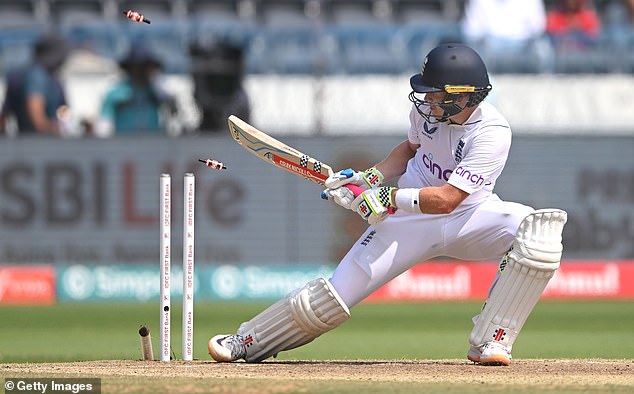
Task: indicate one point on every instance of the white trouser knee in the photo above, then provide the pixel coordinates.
(295, 320)
(530, 264)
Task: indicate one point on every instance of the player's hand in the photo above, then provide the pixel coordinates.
(367, 179)
(374, 204)
(341, 196)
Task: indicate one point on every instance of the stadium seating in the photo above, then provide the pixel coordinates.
(283, 36)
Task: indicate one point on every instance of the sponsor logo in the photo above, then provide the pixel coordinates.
(428, 130)
(440, 282)
(499, 334)
(363, 208)
(27, 284)
(373, 180)
(435, 168)
(293, 167)
(441, 173)
(583, 281)
(248, 341)
(467, 174)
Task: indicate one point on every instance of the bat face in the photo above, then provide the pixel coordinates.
(277, 153)
(281, 155)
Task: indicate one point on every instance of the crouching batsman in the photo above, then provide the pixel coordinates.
(444, 205)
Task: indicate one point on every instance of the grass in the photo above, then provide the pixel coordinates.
(77, 332)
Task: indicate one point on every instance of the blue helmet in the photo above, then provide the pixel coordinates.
(455, 69)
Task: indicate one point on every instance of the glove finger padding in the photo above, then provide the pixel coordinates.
(341, 196)
(370, 178)
(373, 219)
(343, 177)
(360, 206)
(373, 204)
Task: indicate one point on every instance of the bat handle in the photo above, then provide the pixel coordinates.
(356, 191)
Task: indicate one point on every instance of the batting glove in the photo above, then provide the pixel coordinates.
(367, 179)
(341, 196)
(374, 204)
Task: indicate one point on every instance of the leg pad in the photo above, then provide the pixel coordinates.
(531, 263)
(295, 320)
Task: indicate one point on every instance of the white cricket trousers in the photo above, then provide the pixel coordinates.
(481, 232)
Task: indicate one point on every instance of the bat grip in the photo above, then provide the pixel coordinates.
(357, 190)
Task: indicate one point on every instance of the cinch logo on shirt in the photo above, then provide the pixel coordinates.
(438, 172)
(434, 168)
(466, 174)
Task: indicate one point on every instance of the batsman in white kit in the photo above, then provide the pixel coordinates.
(444, 205)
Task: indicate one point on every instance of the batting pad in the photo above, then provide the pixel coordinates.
(295, 320)
(532, 261)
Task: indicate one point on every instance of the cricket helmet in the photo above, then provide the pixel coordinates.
(455, 69)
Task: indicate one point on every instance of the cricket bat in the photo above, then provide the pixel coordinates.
(281, 155)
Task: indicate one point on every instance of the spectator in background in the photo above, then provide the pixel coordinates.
(502, 30)
(136, 104)
(619, 27)
(218, 74)
(34, 96)
(573, 25)
(620, 13)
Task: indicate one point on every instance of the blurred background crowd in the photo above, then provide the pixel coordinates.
(124, 101)
(214, 44)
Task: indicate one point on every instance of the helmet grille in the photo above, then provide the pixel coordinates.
(478, 96)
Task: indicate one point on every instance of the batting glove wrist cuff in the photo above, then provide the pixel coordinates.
(372, 177)
(408, 200)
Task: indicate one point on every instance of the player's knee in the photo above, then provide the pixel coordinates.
(538, 239)
(317, 307)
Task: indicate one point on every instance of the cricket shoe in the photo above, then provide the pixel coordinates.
(227, 348)
(490, 353)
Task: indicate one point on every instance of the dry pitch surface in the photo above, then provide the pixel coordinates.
(529, 375)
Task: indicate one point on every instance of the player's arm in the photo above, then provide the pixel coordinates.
(374, 205)
(36, 109)
(395, 163)
(392, 166)
(433, 199)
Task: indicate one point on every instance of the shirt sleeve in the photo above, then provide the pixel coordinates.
(414, 126)
(35, 83)
(483, 161)
(116, 95)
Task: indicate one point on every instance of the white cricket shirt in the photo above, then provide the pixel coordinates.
(470, 156)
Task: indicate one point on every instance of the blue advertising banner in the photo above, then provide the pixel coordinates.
(140, 283)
